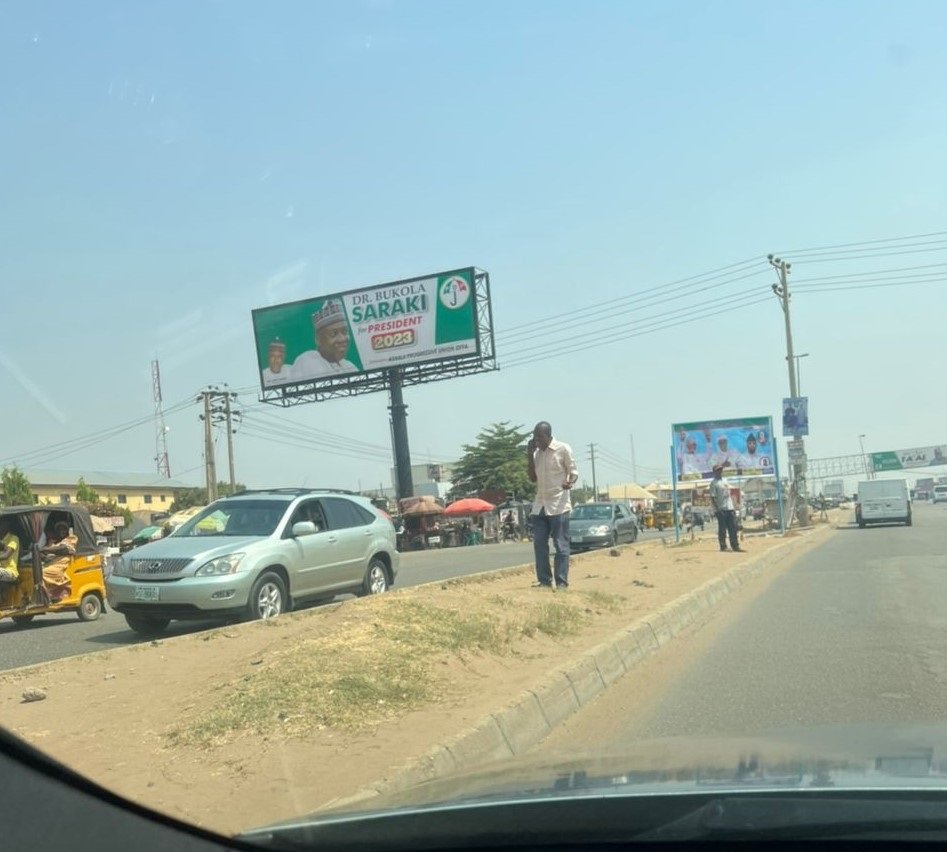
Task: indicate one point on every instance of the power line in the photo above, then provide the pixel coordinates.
(801, 251)
(568, 316)
(314, 439)
(650, 302)
(863, 286)
(555, 351)
(51, 452)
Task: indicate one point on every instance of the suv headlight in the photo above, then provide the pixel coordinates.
(221, 565)
(599, 530)
(120, 566)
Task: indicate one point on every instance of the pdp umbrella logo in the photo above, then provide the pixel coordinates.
(454, 292)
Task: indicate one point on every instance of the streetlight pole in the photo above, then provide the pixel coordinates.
(798, 378)
(869, 472)
(781, 290)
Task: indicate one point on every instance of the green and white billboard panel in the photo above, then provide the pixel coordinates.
(907, 459)
(432, 318)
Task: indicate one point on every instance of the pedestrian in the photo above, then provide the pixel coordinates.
(722, 501)
(552, 467)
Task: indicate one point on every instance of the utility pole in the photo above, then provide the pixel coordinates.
(210, 464)
(218, 411)
(229, 421)
(782, 293)
(594, 481)
(634, 464)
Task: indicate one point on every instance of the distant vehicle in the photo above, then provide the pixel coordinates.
(601, 525)
(939, 494)
(883, 501)
(255, 554)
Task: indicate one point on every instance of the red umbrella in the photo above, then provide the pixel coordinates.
(469, 506)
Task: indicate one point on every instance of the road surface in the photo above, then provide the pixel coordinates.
(54, 636)
(854, 633)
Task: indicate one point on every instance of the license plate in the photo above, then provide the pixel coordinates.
(146, 593)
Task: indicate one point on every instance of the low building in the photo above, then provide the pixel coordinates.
(137, 492)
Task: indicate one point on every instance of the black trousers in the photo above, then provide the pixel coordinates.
(727, 525)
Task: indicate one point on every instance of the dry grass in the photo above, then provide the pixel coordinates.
(377, 667)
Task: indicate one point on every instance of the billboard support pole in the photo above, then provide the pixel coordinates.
(399, 433)
(779, 490)
(677, 528)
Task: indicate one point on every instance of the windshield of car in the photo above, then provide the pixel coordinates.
(592, 513)
(276, 264)
(242, 517)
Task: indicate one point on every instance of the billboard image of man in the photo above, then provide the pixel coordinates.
(278, 372)
(724, 456)
(752, 459)
(938, 458)
(332, 344)
(693, 462)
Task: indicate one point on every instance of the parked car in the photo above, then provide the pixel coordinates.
(600, 525)
(255, 554)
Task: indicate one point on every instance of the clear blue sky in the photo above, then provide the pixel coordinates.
(167, 167)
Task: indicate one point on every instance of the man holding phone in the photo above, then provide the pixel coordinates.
(552, 467)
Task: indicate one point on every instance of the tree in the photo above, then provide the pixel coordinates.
(189, 497)
(85, 494)
(17, 490)
(496, 462)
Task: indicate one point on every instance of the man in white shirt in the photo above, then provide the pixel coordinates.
(552, 467)
(722, 501)
(332, 344)
(278, 372)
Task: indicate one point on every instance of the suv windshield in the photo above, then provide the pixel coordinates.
(592, 513)
(236, 518)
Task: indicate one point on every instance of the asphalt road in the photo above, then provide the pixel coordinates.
(53, 636)
(853, 634)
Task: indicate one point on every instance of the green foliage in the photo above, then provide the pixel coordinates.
(85, 494)
(17, 490)
(188, 497)
(496, 461)
(107, 509)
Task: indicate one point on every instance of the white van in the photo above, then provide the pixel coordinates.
(939, 494)
(883, 501)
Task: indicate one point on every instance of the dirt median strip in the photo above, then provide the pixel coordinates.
(248, 724)
(527, 721)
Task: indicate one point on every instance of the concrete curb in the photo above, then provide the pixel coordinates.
(531, 717)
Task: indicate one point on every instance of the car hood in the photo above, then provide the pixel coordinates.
(835, 758)
(207, 546)
(581, 523)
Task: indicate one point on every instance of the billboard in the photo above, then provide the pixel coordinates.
(415, 321)
(796, 416)
(906, 459)
(744, 447)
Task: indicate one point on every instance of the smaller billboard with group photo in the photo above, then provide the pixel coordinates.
(796, 416)
(743, 446)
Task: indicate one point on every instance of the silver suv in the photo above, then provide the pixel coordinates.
(254, 555)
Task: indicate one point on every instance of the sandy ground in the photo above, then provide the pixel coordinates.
(116, 715)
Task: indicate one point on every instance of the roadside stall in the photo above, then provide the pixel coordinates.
(477, 520)
(423, 519)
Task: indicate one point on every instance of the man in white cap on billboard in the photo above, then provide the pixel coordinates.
(278, 372)
(332, 345)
